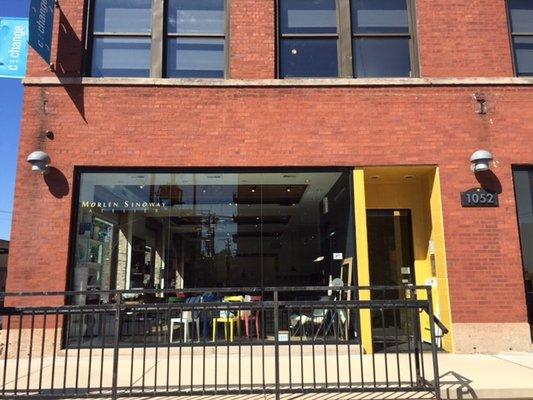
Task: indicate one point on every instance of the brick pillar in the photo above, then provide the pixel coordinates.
(252, 39)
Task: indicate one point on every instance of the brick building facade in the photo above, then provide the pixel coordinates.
(252, 119)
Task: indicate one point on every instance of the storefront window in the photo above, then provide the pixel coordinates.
(138, 230)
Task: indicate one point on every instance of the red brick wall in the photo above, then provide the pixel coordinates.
(252, 39)
(150, 126)
(173, 127)
(457, 38)
(462, 38)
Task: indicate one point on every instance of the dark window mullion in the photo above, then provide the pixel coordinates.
(158, 37)
(345, 40)
(413, 42)
(87, 65)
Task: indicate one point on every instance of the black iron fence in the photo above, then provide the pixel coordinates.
(219, 341)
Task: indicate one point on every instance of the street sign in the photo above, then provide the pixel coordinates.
(13, 47)
(41, 25)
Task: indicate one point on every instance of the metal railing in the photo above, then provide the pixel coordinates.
(218, 342)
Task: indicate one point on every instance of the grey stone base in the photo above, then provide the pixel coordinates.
(491, 338)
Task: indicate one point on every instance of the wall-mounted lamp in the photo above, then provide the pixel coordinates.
(480, 161)
(40, 161)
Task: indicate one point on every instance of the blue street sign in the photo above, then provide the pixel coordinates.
(41, 24)
(13, 47)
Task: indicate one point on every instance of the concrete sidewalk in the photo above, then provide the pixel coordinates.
(476, 376)
(501, 376)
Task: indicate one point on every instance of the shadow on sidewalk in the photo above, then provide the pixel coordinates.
(455, 386)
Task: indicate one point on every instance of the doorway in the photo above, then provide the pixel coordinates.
(391, 262)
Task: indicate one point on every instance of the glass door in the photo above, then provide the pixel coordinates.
(390, 251)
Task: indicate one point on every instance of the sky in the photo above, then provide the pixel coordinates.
(10, 108)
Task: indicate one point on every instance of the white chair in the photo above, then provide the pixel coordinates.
(185, 319)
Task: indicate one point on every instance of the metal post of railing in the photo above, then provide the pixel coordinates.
(434, 354)
(276, 343)
(416, 338)
(116, 345)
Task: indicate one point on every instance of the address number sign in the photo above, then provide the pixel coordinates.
(478, 197)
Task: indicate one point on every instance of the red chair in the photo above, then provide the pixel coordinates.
(252, 315)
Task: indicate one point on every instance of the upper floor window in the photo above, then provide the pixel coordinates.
(158, 38)
(121, 38)
(308, 38)
(521, 22)
(346, 38)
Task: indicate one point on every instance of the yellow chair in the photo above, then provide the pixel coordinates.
(228, 318)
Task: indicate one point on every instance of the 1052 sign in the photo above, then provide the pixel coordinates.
(479, 198)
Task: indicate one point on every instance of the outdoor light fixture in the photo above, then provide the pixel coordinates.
(480, 161)
(40, 161)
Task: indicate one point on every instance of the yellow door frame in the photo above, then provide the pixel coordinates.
(428, 235)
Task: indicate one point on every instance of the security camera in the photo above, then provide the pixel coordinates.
(40, 161)
(480, 161)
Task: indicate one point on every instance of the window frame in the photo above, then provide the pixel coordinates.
(158, 36)
(512, 35)
(345, 38)
(310, 36)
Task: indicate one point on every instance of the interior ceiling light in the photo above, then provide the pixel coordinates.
(288, 189)
(253, 189)
(318, 259)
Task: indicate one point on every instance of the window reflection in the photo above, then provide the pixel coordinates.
(121, 57)
(381, 57)
(380, 16)
(523, 49)
(195, 58)
(190, 230)
(304, 16)
(309, 58)
(121, 16)
(196, 16)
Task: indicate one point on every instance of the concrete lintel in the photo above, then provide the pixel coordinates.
(309, 82)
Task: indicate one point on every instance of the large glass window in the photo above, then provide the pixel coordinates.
(523, 182)
(521, 15)
(214, 229)
(130, 38)
(347, 38)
